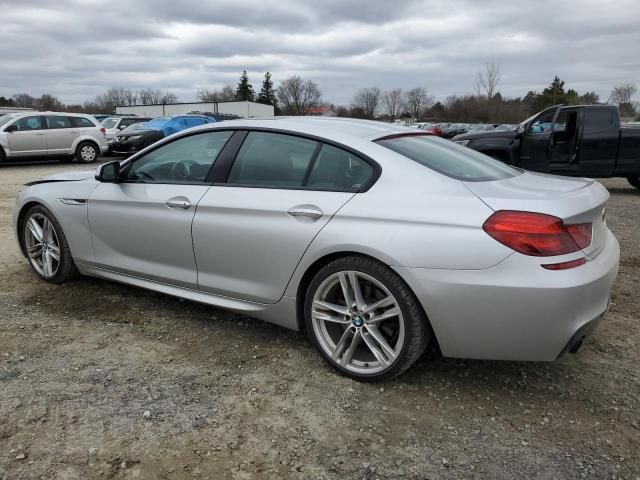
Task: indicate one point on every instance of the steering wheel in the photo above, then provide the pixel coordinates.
(185, 170)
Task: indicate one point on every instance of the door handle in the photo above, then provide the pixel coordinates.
(184, 204)
(306, 211)
(74, 131)
(40, 134)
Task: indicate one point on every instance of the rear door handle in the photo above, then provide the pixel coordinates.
(309, 211)
(40, 133)
(178, 203)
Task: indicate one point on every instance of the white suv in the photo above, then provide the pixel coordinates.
(51, 134)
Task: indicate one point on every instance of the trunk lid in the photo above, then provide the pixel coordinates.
(574, 200)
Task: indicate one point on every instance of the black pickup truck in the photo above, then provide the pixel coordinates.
(577, 140)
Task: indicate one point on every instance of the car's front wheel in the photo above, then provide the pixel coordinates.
(634, 180)
(87, 152)
(46, 246)
(364, 319)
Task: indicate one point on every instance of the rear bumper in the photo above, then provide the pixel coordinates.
(516, 310)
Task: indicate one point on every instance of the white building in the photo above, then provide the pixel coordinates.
(242, 109)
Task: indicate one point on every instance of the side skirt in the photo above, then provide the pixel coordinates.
(282, 313)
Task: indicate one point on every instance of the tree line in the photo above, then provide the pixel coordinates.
(296, 96)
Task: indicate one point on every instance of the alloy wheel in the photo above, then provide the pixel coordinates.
(358, 322)
(42, 244)
(88, 153)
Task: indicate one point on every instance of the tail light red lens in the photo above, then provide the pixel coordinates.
(103, 130)
(537, 234)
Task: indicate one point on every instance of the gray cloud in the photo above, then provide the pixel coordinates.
(78, 48)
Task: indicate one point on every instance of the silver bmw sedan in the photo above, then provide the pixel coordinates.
(374, 238)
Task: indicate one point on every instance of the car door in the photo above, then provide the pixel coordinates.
(29, 137)
(60, 134)
(141, 225)
(250, 232)
(536, 141)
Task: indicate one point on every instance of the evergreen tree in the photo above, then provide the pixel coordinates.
(267, 93)
(244, 91)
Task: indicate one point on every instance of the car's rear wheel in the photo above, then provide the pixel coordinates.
(3, 156)
(87, 152)
(634, 180)
(46, 246)
(364, 319)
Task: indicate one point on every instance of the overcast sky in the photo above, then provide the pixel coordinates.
(77, 48)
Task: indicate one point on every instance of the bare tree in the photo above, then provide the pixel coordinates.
(486, 82)
(417, 101)
(169, 97)
(623, 93)
(49, 103)
(150, 96)
(296, 95)
(367, 100)
(393, 103)
(24, 100)
(225, 94)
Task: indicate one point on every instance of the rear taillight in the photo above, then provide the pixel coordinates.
(103, 130)
(537, 234)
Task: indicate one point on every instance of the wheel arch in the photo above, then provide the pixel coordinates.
(319, 263)
(82, 140)
(21, 217)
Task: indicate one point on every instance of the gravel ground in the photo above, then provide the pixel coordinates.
(101, 380)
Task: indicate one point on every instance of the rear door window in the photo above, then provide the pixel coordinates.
(272, 160)
(597, 119)
(448, 158)
(58, 121)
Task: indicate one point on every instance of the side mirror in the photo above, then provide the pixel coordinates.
(120, 127)
(108, 172)
(11, 128)
(519, 131)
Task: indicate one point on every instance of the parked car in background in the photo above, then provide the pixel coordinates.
(129, 142)
(432, 128)
(320, 224)
(51, 134)
(100, 116)
(454, 129)
(507, 126)
(218, 117)
(114, 125)
(577, 140)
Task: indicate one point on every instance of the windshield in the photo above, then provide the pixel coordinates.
(157, 123)
(448, 158)
(135, 127)
(4, 119)
(110, 122)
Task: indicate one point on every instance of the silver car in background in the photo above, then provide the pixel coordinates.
(374, 238)
(51, 134)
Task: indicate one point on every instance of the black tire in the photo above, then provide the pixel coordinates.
(635, 181)
(66, 269)
(417, 330)
(3, 156)
(83, 155)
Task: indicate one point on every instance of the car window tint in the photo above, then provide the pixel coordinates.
(81, 122)
(57, 121)
(597, 119)
(29, 123)
(337, 169)
(448, 158)
(185, 160)
(110, 123)
(272, 159)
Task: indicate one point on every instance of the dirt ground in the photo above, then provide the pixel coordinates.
(100, 380)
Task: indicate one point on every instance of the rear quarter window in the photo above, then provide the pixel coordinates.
(597, 119)
(81, 122)
(448, 158)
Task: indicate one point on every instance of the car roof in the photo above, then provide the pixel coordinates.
(329, 127)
